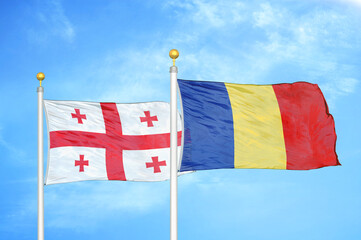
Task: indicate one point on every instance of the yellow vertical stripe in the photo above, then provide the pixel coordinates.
(258, 132)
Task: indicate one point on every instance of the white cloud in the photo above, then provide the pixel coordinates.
(52, 22)
(308, 41)
(13, 152)
(211, 13)
(348, 85)
(335, 88)
(267, 16)
(356, 3)
(135, 75)
(313, 44)
(70, 205)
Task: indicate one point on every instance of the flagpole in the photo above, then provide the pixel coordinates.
(40, 76)
(173, 148)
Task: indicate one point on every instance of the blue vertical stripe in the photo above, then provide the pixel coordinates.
(208, 126)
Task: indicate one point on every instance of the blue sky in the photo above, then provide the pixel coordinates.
(118, 51)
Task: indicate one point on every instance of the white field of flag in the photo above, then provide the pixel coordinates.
(108, 141)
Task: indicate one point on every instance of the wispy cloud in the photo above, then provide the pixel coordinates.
(356, 3)
(290, 47)
(336, 88)
(313, 42)
(52, 22)
(13, 151)
(348, 85)
(136, 75)
(267, 16)
(69, 206)
(270, 44)
(210, 13)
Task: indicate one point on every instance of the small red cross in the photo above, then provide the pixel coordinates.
(79, 116)
(149, 119)
(81, 163)
(156, 164)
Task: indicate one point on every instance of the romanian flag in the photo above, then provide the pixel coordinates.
(282, 126)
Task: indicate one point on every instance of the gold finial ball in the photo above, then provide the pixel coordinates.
(173, 53)
(40, 76)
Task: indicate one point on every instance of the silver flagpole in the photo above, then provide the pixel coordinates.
(40, 76)
(173, 148)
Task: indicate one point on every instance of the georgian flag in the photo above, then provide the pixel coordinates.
(108, 141)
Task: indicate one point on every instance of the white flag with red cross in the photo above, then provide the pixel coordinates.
(108, 141)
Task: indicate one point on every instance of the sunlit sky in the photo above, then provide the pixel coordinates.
(118, 51)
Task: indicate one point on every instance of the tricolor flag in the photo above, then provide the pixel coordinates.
(108, 141)
(282, 126)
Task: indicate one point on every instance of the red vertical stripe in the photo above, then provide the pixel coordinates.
(308, 127)
(114, 151)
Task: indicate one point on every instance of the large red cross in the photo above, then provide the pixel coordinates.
(112, 140)
(155, 164)
(79, 116)
(149, 119)
(81, 163)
